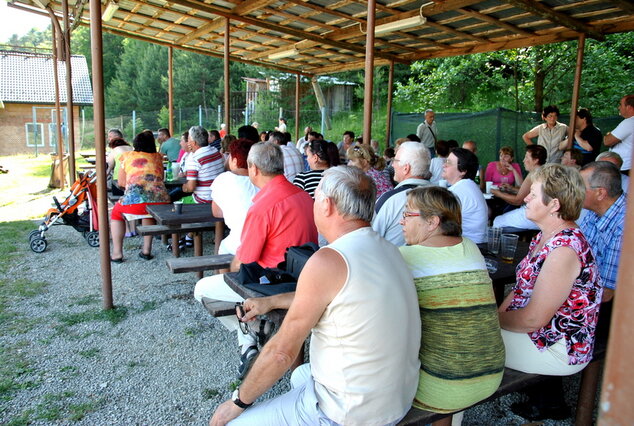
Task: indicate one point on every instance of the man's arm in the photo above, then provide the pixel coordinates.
(314, 293)
(189, 186)
(610, 140)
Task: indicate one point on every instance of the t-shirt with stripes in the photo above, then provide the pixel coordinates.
(203, 166)
(308, 181)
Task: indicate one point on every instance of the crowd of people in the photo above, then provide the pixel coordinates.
(412, 321)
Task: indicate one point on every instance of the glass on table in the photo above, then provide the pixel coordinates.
(508, 243)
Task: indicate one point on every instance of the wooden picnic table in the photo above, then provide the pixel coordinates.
(166, 215)
(175, 183)
(505, 273)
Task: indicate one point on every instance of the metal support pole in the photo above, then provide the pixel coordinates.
(297, 106)
(575, 88)
(200, 115)
(369, 73)
(69, 96)
(227, 75)
(617, 390)
(390, 89)
(96, 49)
(58, 112)
(35, 129)
(133, 123)
(170, 88)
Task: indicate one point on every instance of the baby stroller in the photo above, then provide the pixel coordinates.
(78, 210)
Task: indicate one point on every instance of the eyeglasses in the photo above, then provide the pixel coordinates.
(407, 214)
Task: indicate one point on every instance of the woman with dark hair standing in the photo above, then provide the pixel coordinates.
(587, 138)
(141, 174)
(320, 155)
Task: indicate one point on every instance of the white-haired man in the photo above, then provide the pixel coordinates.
(411, 169)
(364, 320)
(427, 131)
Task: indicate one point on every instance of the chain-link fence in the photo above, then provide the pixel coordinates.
(490, 129)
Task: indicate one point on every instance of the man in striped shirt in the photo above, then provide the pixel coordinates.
(202, 166)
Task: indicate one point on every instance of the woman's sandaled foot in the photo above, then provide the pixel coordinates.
(118, 260)
(145, 256)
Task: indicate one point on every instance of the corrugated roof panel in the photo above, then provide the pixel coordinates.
(28, 78)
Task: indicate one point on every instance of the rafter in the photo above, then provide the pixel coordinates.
(559, 18)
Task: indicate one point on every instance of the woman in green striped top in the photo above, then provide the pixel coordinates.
(461, 353)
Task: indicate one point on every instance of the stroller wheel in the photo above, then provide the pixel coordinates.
(33, 234)
(93, 238)
(38, 244)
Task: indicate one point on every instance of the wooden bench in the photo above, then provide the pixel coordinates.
(516, 381)
(166, 230)
(199, 263)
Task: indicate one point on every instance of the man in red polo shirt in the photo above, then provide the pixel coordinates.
(281, 216)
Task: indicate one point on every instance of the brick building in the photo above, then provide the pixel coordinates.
(27, 101)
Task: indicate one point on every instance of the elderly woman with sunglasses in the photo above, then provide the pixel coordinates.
(461, 353)
(321, 155)
(549, 318)
(364, 158)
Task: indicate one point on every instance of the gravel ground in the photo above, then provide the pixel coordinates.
(166, 362)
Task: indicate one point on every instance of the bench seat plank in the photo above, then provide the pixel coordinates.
(199, 263)
(164, 230)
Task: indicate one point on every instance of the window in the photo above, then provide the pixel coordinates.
(34, 134)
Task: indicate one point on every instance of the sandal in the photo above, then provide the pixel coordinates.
(246, 360)
(119, 260)
(145, 256)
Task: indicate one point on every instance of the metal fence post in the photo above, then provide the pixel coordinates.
(200, 115)
(133, 123)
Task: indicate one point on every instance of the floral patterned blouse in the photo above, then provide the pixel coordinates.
(144, 178)
(380, 180)
(576, 319)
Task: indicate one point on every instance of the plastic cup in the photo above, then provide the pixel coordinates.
(175, 169)
(508, 244)
(178, 207)
(489, 184)
(493, 240)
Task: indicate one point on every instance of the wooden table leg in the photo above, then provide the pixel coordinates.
(220, 231)
(587, 393)
(176, 251)
(198, 249)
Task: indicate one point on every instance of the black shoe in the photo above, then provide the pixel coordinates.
(145, 256)
(533, 412)
(246, 360)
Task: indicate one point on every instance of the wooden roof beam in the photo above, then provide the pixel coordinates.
(209, 8)
(625, 5)
(205, 29)
(559, 18)
(495, 21)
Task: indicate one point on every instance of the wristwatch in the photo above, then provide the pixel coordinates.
(236, 400)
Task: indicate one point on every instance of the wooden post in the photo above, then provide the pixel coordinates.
(58, 113)
(297, 93)
(321, 100)
(227, 75)
(617, 390)
(96, 49)
(574, 105)
(170, 88)
(369, 73)
(390, 89)
(69, 96)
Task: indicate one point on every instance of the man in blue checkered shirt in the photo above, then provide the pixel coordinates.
(603, 225)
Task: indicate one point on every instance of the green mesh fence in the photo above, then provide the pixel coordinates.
(491, 129)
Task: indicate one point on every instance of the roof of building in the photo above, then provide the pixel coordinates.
(320, 37)
(28, 78)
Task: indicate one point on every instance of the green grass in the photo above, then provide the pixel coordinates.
(114, 316)
(90, 353)
(210, 393)
(14, 237)
(55, 408)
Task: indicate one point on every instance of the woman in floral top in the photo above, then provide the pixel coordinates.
(549, 318)
(364, 158)
(142, 175)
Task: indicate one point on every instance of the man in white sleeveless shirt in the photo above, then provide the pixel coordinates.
(357, 297)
